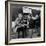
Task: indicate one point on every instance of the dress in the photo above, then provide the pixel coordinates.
(32, 23)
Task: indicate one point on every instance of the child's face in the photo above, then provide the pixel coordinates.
(20, 15)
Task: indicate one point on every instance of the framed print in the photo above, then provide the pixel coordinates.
(25, 22)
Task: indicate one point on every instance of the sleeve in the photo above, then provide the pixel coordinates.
(16, 21)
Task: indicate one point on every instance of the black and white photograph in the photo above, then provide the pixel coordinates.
(25, 22)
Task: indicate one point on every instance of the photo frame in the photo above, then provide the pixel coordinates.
(35, 33)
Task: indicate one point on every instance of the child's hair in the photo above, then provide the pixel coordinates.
(35, 12)
(20, 11)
